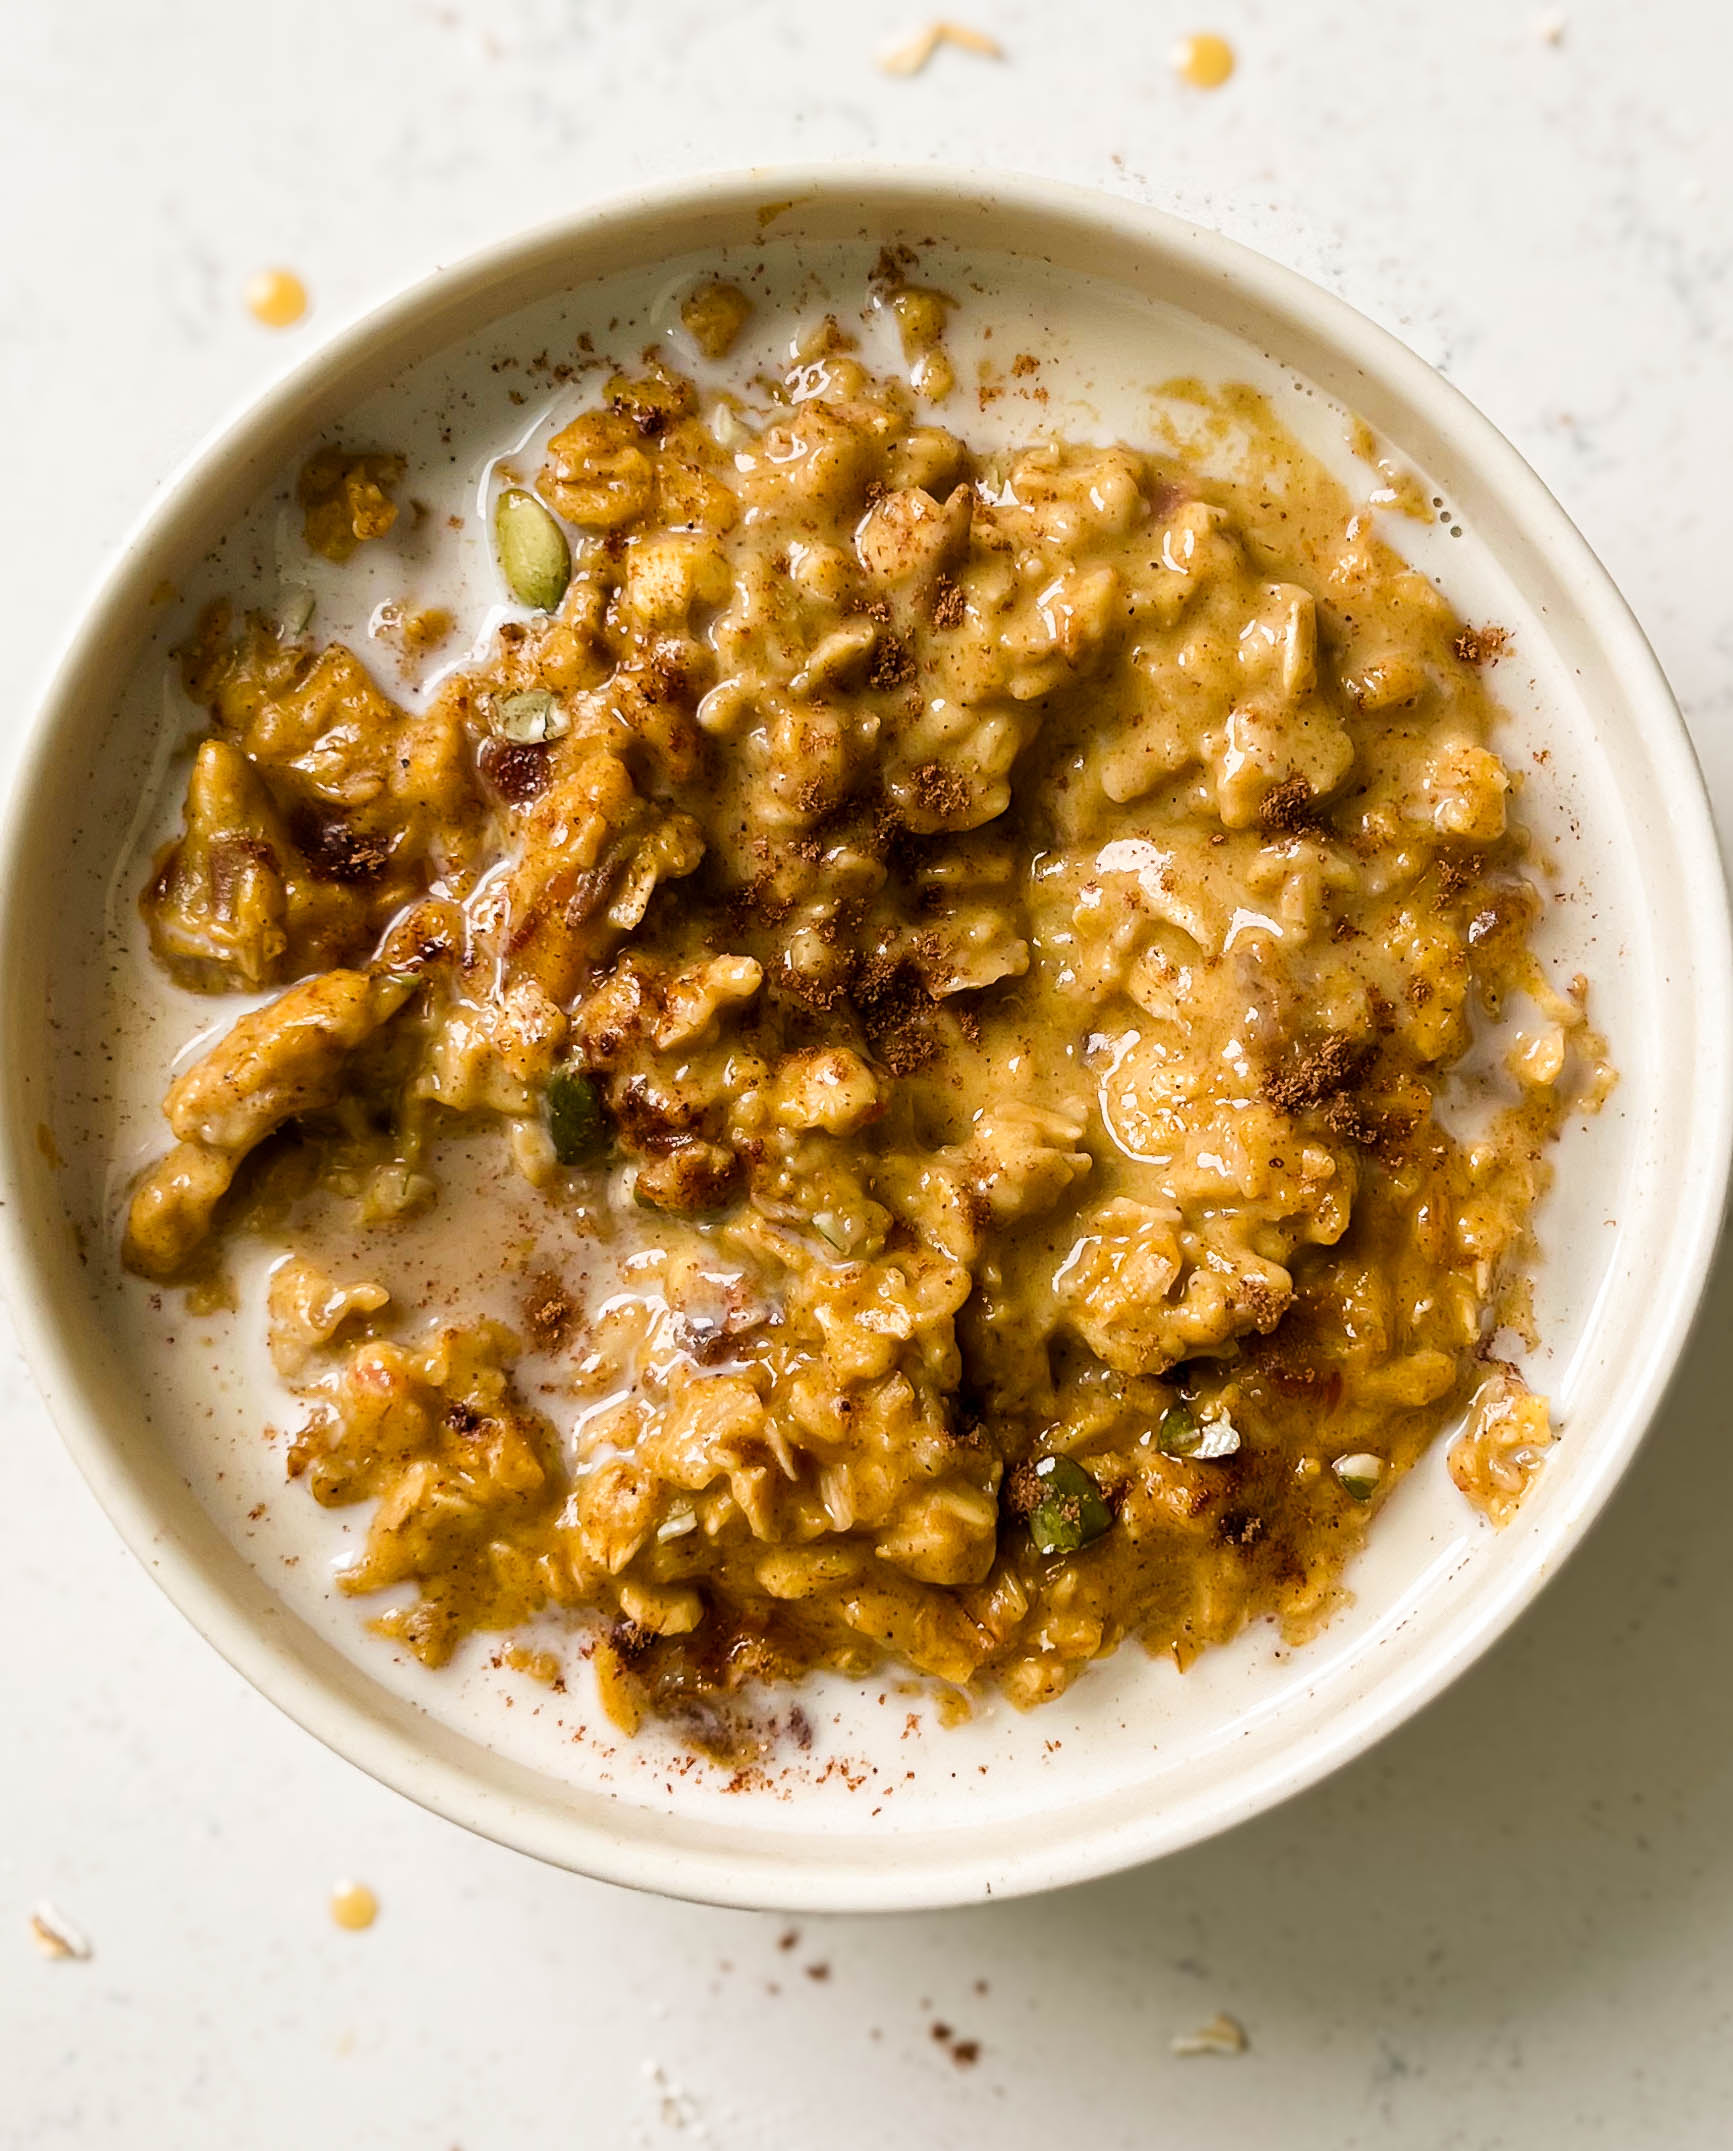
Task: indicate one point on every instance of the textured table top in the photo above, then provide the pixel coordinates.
(1513, 1923)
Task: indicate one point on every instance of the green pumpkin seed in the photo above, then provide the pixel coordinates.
(528, 718)
(575, 1124)
(1359, 1474)
(534, 557)
(835, 1231)
(296, 610)
(1178, 1432)
(1069, 1512)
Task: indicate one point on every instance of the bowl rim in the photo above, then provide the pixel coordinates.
(341, 1720)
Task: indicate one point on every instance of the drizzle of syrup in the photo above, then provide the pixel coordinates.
(1203, 59)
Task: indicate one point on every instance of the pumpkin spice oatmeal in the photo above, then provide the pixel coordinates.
(971, 956)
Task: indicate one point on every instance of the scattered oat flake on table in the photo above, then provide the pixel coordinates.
(1550, 27)
(676, 2106)
(914, 52)
(56, 1936)
(1221, 2035)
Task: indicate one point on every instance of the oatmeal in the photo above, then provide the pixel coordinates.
(975, 949)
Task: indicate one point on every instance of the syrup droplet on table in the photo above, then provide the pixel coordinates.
(353, 1905)
(1203, 59)
(277, 297)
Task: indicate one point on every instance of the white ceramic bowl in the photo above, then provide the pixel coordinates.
(1134, 1762)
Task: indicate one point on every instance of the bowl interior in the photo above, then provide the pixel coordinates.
(887, 1806)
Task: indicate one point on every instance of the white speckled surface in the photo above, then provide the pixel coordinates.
(1513, 1924)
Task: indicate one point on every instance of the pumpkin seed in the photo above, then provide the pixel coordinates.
(727, 428)
(575, 1123)
(833, 1230)
(528, 718)
(1069, 1512)
(296, 610)
(534, 558)
(1181, 1433)
(1178, 1432)
(1359, 1474)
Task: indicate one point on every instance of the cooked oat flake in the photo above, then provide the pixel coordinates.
(1221, 2035)
(56, 1936)
(909, 57)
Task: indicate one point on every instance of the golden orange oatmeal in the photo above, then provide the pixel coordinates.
(974, 949)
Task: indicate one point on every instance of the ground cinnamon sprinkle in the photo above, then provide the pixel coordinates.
(1022, 1489)
(549, 1311)
(1290, 808)
(1453, 875)
(949, 606)
(1326, 1069)
(891, 663)
(1481, 645)
(944, 793)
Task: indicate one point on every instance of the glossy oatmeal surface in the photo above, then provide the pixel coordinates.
(960, 955)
